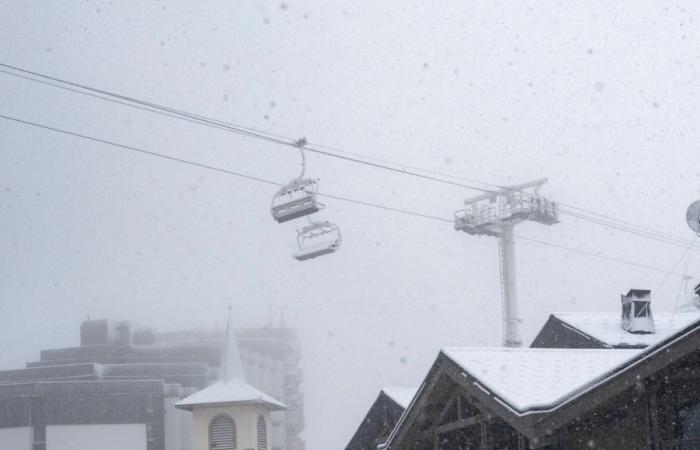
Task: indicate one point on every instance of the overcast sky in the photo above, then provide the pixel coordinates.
(600, 97)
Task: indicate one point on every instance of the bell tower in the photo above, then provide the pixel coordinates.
(230, 414)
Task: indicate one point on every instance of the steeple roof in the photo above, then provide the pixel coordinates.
(231, 388)
(231, 365)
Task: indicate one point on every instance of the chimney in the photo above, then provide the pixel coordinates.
(636, 312)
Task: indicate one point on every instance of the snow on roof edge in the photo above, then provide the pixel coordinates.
(641, 355)
(234, 391)
(401, 396)
(605, 328)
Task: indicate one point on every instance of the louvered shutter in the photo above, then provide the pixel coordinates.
(262, 434)
(222, 434)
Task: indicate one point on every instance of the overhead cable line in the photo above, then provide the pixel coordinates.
(666, 240)
(214, 168)
(176, 113)
(142, 105)
(590, 213)
(401, 168)
(685, 253)
(333, 196)
(682, 285)
(597, 255)
(139, 150)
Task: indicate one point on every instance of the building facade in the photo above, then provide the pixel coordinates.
(127, 376)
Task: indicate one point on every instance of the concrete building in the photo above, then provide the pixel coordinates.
(123, 381)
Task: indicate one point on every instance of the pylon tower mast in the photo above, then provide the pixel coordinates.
(496, 214)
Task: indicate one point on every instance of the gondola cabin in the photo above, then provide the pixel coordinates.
(317, 239)
(297, 199)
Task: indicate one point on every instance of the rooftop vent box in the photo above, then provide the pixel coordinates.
(636, 312)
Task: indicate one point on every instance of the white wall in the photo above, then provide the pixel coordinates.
(186, 430)
(96, 437)
(16, 438)
(178, 426)
(172, 425)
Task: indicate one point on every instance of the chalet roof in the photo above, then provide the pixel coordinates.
(381, 417)
(528, 386)
(400, 396)
(233, 391)
(605, 327)
(534, 377)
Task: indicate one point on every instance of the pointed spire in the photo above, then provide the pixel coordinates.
(231, 365)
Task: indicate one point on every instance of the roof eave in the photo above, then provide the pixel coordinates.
(272, 406)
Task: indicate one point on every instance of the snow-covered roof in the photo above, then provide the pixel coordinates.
(233, 391)
(402, 396)
(533, 377)
(606, 328)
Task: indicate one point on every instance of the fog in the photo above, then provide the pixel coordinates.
(599, 97)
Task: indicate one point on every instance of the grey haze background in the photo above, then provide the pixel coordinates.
(601, 97)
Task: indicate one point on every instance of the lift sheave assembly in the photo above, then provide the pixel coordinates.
(298, 198)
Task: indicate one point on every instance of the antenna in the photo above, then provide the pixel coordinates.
(495, 214)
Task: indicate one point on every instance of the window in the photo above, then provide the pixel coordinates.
(642, 309)
(262, 433)
(222, 433)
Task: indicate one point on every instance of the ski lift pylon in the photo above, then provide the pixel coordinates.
(316, 239)
(298, 197)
